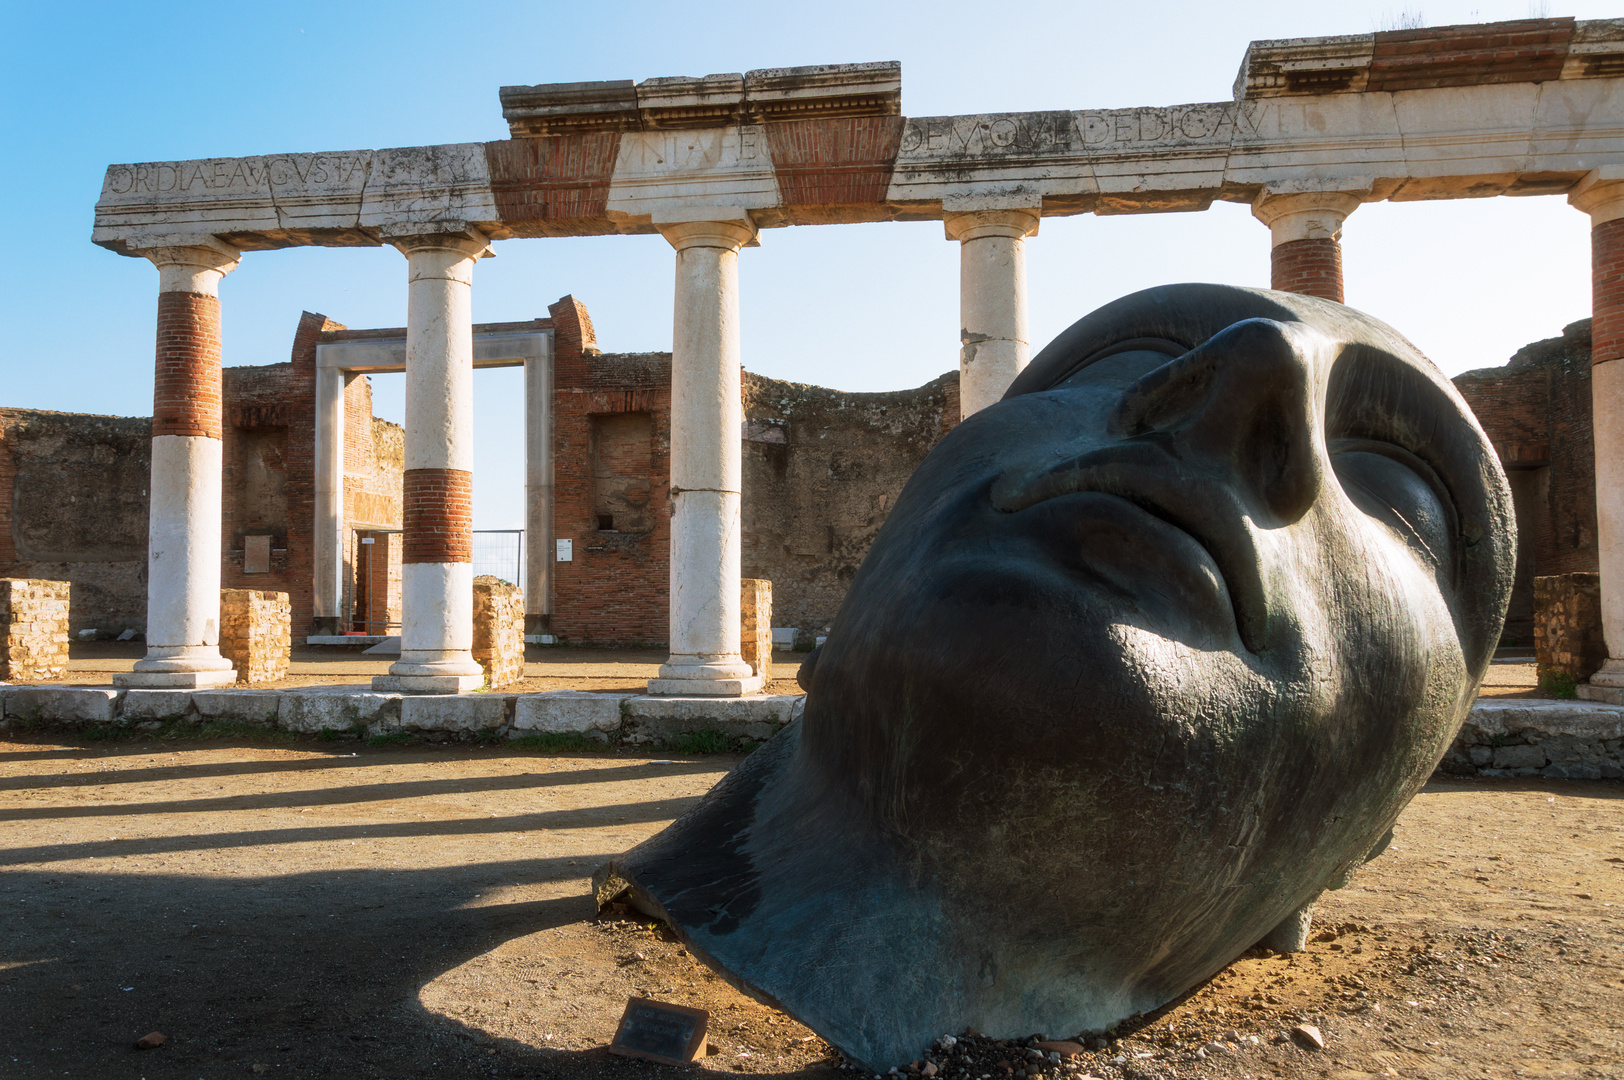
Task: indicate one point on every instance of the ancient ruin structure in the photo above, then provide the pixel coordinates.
(1148, 655)
(1315, 128)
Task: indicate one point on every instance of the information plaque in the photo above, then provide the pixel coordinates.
(657, 1031)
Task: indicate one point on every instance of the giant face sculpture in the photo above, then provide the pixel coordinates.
(1146, 656)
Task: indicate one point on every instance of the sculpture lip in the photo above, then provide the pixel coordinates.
(1194, 502)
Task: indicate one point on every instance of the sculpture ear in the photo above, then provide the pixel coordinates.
(804, 675)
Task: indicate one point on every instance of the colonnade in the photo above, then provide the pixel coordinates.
(706, 416)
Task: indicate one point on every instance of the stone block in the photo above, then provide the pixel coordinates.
(33, 629)
(498, 630)
(54, 704)
(337, 708)
(1567, 625)
(1519, 757)
(238, 706)
(155, 705)
(1492, 717)
(456, 712)
(568, 710)
(256, 633)
(760, 717)
(1481, 755)
(427, 684)
(756, 624)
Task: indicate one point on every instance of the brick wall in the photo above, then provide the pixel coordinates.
(33, 629)
(498, 630)
(256, 633)
(1536, 411)
(615, 588)
(73, 507)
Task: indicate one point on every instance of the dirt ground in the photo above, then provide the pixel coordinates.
(306, 910)
(626, 671)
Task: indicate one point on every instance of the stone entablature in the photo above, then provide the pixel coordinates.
(1523, 108)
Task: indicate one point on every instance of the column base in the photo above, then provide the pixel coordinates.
(428, 684)
(174, 680)
(1606, 685)
(741, 687)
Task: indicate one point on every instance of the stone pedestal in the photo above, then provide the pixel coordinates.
(994, 342)
(756, 625)
(1305, 231)
(256, 633)
(498, 631)
(33, 629)
(437, 587)
(707, 413)
(1568, 639)
(1602, 197)
(183, 540)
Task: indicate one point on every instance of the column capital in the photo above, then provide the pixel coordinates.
(726, 227)
(194, 267)
(457, 238)
(1014, 224)
(1305, 215)
(1600, 194)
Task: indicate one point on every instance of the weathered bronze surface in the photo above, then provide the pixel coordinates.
(1147, 656)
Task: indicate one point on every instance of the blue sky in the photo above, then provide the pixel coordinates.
(858, 307)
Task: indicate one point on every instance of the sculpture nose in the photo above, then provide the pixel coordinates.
(1247, 403)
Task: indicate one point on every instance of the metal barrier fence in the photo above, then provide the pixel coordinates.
(500, 553)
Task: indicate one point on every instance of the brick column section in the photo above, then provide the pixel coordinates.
(438, 514)
(1305, 230)
(183, 541)
(437, 572)
(707, 413)
(1603, 199)
(994, 343)
(1310, 267)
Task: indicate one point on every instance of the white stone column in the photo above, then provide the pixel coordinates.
(183, 538)
(437, 575)
(328, 583)
(993, 337)
(538, 492)
(1602, 197)
(707, 414)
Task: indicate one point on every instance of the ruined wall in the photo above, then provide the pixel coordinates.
(269, 477)
(73, 507)
(1536, 411)
(611, 477)
(822, 468)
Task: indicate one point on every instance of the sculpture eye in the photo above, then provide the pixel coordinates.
(1398, 489)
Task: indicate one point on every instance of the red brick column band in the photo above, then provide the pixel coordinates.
(438, 516)
(1310, 267)
(186, 391)
(1607, 291)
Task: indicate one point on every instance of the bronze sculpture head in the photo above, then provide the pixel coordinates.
(1146, 656)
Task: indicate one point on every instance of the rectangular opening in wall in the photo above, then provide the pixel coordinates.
(622, 454)
(259, 495)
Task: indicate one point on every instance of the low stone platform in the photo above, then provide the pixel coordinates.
(360, 710)
(1564, 740)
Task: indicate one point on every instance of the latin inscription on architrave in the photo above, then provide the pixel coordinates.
(1122, 130)
(245, 175)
